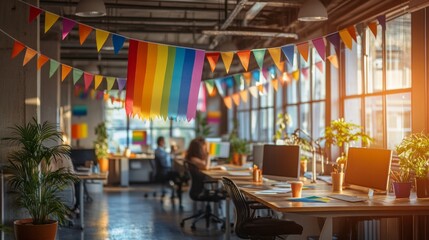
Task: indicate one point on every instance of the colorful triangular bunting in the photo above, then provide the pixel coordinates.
(244, 95)
(382, 21)
(228, 102)
(319, 65)
(34, 13)
(334, 39)
(295, 74)
(227, 59)
(253, 91)
(319, 44)
(244, 57)
(276, 56)
(97, 81)
(275, 84)
(100, 38)
(236, 98)
(289, 52)
(334, 60)
(68, 25)
(212, 58)
(118, 42)
(53, 66)
(303, 50)
(16, 49)
(41, 61)
(29, 54)
(305, 72)
(121, 83)
(77, 74)
(65, 70)
(110, 81)
(88, 78)
(347, 39)
(259, 55)
(50, 19)
(373, 27)
(352, 32)
(84, 32)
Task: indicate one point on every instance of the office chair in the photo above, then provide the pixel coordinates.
(248, 226)
(198, 192)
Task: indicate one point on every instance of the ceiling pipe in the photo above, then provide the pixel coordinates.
(251, 34)
(253, 11)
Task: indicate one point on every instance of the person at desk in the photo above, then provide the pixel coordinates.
(198, 155)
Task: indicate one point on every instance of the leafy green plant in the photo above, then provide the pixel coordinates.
(100, 144)
(413, 153)
(202, 128)
(282, 121)
(341, 133)
(36, 185)
(239, 146)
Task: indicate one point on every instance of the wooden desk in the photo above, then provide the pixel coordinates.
(83, 179)
(121, 168)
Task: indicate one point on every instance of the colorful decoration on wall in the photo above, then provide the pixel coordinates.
(139, 137)
(79, 110)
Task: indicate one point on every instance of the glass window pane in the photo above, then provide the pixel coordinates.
(243, 125)
(263, 130)
(374, 63)
(254, 125)
(352, 110)
(374, 119)
(292, 91)
(279, 94)
(398, 52)
(318, 119)
(353, 68)
(304, 80)
(318, 75)
(270, 132)
(305, 117)
(293, 112)
(398, 108)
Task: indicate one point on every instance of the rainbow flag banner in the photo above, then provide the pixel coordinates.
(139, 137)
(163, 81)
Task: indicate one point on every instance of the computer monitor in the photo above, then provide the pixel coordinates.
(368, 168)
(79, 156)
(258, 155)
(179, 143)
(281, 162)
(218, 149)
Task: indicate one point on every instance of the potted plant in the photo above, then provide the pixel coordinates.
(240, 150)
(202, 128)
(101, 147)
(282, 121)
(401, 182)
(413, 153)
(341, 133)
(35, 184)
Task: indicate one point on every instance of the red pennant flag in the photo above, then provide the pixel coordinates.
(352, 32)
(84, 32)
(244, 57)
(212, 57)
(319, 66)
(373, 27)
(16, 49)
(305, 72)
(34, 12)
(88, 80)
(41, 61)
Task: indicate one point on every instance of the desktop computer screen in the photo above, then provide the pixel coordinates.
(258, 155)
(281, 162)
(368, 168)
(218, 149)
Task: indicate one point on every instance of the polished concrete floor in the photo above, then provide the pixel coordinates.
(124, 213)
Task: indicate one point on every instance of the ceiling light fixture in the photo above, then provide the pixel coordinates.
(312, 11)
(90, 8)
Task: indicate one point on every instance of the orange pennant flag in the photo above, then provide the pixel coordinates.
(213, 93)
(29, 54)
(84, 32)
(352, 32)
(97, 80)
(236, 98)
(227, 59)
(41, 61)
(50, 19)
(100, 38)
(244, 95)
(276, 55)
(334, 60)
(212, 57)
(303, 50)
(16, 49)
(347, 39)
(254, 91)
(247, 77)
(244, 57)
(282, 66)
(65, 70)
(228, 102)
(295, 75)
(261, 88)
(275, 84)
(373, 27)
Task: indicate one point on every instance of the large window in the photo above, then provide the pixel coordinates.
(378, 82)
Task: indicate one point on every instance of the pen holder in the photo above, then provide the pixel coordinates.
(257, 175)
(337, 181)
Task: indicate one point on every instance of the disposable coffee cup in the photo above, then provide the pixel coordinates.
(296, 189)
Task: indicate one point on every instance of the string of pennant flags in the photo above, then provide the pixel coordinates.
(164, 80)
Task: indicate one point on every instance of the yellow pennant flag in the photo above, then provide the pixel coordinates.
(276, 55)
(254, 91)
(110, 81)
(275, 84)
(65, 70)
(244, 95)
(334, 60)
(295, 75)
(228, 102)
(29, 54)
(50, 19)
(97, 80)
(227, 59)
(347, 39)
(100, 37)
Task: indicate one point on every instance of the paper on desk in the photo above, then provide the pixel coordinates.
(239, 173)
(309, 199)
(274, 191)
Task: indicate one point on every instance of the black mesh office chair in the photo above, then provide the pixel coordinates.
(247, 226)
(201, 192)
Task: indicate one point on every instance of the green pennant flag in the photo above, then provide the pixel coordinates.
(259, 55)
(237, 78)
(53, 67)
(110, 82)
(77, 74)
(209, 85)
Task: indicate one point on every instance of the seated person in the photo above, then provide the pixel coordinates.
(198, 155)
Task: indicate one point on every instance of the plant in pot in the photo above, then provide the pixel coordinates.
(240, 150)
(341, 133)
(101, 147)
(35, 184)
(401, 182)
(413, 152)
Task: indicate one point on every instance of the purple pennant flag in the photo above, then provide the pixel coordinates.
(68, 25)
(319, 44)
(334, 38)
(118, 42)
(382, 21)
(121, 83)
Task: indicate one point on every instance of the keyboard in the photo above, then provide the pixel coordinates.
(347, 198)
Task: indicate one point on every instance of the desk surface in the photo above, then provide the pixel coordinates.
(93, 176)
